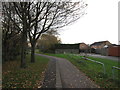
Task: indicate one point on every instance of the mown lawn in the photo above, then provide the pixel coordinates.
(95, 71)
(31, 77)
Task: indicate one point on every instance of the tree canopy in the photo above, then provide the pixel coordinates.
(47, 42)
(29, 20)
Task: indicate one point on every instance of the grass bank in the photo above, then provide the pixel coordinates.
(31, 77)
(95, 71)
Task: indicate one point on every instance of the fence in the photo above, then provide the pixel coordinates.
(97, 63)
(103, 65)
(114, 51)
(113, 71)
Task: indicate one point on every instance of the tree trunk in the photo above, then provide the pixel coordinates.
(32, 53)
(3, 54)
(5, 51)
(24, 37)
(23, 62)
(24, 42)
(23, 50)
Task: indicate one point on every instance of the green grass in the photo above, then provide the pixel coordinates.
(95, 71)
(31, 77)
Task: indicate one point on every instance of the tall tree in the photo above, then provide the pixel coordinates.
(52, 15)
(35, 18)
(19, 17)
(9, 32)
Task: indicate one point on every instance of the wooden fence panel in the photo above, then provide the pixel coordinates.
(114, 51)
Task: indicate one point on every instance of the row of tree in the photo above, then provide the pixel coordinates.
(23, 21)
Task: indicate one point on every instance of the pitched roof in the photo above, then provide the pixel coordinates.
(81, 43)
(98, 43)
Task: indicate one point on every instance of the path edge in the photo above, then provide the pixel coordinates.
(58, 78)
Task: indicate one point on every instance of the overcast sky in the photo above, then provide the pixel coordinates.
(99, 24)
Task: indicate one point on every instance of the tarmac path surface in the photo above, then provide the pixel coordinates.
(63, 74)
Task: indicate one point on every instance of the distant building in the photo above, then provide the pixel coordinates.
(71, 48)
(100, 45)
(67, 48)
(83, 47)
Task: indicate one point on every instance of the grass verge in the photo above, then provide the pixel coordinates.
(95, 71)
(31, 77)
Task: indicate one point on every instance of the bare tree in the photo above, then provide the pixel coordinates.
(9, 31)
(17, 13)
(50, 16)
(35, 18)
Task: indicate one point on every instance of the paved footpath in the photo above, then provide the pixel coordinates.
(66, 76)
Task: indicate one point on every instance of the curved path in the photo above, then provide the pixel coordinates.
(63, 74)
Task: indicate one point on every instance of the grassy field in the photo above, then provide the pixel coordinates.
(31, 77)
(95, 71)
